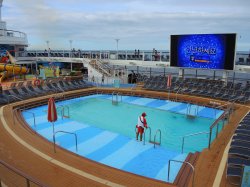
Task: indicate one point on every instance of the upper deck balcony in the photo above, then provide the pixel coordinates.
(11, 37)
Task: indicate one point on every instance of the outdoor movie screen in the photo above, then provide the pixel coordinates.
(206, 51)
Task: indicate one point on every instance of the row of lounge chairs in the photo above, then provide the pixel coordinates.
(29, 91)
(201, 87)
(239, 152)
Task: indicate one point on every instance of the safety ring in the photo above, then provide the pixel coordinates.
(37, 82)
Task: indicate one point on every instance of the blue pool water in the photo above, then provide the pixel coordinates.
(106, 132)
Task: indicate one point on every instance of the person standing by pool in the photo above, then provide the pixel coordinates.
(103, 78)
(142, 122)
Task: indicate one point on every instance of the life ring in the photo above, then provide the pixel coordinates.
(37, 82)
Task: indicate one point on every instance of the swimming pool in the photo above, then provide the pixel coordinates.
(106, 132)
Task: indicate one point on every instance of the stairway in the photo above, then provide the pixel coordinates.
(98, 67)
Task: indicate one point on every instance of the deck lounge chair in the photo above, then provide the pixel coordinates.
(85, 83)
(68, 83)
(245, 99)
(3, 99)
(240, 144)
(237, 161)
(52, 88)
(26, 91)
(243, 131)
(234, 175)
(20, 94)
(43, 89)
(240, 152)
(241, 137)
(63, 86)
(57, 87)
(12, 97)
(37, 91)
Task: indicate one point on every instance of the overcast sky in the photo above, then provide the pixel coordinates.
(139, 24)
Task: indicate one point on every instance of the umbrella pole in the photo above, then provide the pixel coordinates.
(53, 128)
(54, 141)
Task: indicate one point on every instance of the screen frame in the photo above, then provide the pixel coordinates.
(231, 46)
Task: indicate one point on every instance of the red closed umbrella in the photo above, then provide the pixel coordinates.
(169, 82)
(52, 114)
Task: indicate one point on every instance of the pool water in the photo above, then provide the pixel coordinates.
(122, 118)
(106, 132)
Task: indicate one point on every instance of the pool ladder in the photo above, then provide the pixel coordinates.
(188, 113)
(158, 131)
(62, 107)
(115, 98)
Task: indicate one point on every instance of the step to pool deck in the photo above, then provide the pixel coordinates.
(110, 148)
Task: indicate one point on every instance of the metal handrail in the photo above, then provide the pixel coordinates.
(99, 62)
(177, 93)
(54, 138)
(189, 106)
(33, 114)
(63, 109)
(116, 94)
(158, 130)
(184, 162)
(13, 31)
(119, 94)
(68, 110)
(189, 135)
(225, 113)
(20, 173)
(144, 137)
(168, 93)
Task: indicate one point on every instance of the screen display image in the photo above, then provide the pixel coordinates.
(206, 51)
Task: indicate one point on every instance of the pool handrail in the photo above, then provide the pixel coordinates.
(184, 162)
(144, 135)
(189, 135)
(63, 109)
(168, 93)
(20, 173)
(116, 94)
(215, 123)
(189, 106)
(54, 138)
(177, 93)
(158, 130)
(33, 114)
(24, 110)
(220, 107)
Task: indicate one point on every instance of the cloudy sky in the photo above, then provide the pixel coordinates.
(139, 24)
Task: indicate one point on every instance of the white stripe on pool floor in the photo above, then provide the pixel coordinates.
(95, 143)
(72, 125)
(169, 105)
(142, 101)
(122, 156)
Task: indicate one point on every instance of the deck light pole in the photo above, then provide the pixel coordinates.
(117, 42)
(47, 44)
(48, 49)
(70, 43)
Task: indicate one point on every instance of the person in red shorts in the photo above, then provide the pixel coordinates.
(142, 122)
